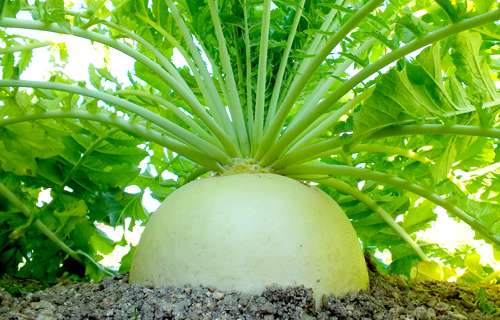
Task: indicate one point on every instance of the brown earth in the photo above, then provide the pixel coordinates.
(390, 297)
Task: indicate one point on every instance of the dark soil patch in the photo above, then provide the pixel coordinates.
(390, 297)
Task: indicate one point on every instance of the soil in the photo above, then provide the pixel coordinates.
(389, 297)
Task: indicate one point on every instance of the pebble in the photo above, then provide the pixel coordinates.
(441, 306)
(420, 313)
(218, 295)
(42, 305)
(353, 295)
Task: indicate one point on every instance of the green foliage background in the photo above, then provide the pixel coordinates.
(87, 151)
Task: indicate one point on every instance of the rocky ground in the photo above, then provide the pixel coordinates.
(390, 297)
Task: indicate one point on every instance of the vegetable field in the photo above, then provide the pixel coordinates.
(391, 108)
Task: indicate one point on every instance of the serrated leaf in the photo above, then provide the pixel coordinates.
(418, 27)
(483, 213)
(362, 62)
(30, 140)
(483, 6)
(419, 218)
(104, 72)
(459, 95)
(95, 79)
(44, 93)
(25, 60)
(456, 10)
(126, 261)
(393, 101)
(102, 243)
(11, 8)
(69, 218)
(65, 25)
(7, 65)
(16, 163)
(403, 259)
(471, 69)
(443, 165)
(117, 210)
(150, 77)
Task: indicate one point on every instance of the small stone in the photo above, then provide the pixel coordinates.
(432, 302)
(187, 290)
(402, 282)
(378, 316)
(42, 305)
(218, 295)
(349, 307)
(431, 313)
(441, 306)
(305, 316)
(29, 296)
(420, 313)
(211, 288)
(457, 315)
(269, 317)
(109, 313)
(150, 285)
(45, 317)
(353, 295)
(107, 302)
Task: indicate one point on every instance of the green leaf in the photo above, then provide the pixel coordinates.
(483, 213)
(95, 79)
(442, 167)
(471, 69)
(483, 6)
(44, 93)
(7, 65)
(63, 222)
(395, 100)
(10, 8)
(15, 162)
(456, 10)
(59, 54)
(431, 270)
(151, 78)
(102, 243)
(25, 60)
(126, 261)
(94, 6)
(418, 27)
(30, 140)
(104, 72)
(403, 259)
(419, 218)
(117, 209)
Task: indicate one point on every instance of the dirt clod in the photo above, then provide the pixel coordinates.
(390, 297)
